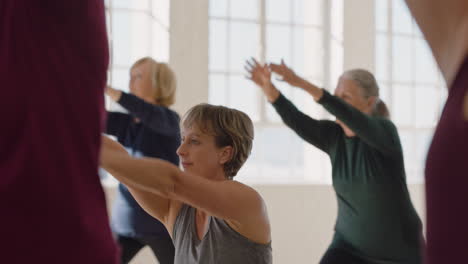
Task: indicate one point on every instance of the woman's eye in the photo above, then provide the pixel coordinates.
(195, 142)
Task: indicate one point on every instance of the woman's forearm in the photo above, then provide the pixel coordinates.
(148, 174)
(271, 93)
(311, 89)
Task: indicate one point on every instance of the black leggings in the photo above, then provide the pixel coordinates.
(162, 247)
(340, 256)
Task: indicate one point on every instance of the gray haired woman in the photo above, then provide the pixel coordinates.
(376, 221)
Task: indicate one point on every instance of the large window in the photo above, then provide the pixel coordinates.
(410, 83)
(307, 34)
(136, 29)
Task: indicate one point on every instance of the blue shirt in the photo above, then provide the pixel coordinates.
(156, 134)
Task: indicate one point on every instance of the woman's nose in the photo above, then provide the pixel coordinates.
(181, 151)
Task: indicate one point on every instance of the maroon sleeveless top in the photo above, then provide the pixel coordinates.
(447, 180)
(53, 63)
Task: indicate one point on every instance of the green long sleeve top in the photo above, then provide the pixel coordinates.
(376, 219)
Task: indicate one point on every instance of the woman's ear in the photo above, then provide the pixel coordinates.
(225, 154)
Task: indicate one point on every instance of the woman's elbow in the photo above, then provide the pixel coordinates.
(168, 188)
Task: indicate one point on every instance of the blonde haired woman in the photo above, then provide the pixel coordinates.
(149, 129)
(212, 218)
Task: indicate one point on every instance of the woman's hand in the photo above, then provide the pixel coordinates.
(287, 74)
(114, 94)
(261, 76)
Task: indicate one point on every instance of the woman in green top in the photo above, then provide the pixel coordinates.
(376, 222)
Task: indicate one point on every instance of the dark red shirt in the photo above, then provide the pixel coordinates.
(53, 63)
(447, 180)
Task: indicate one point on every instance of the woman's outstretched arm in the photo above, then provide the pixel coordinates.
(228, 200)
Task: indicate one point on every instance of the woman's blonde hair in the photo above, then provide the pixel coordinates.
(163, 80)
(230, 127)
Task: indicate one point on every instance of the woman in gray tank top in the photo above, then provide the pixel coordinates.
(211, 218)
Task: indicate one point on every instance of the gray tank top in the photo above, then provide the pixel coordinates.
(221, 243)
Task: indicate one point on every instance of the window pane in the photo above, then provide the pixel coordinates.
(402, 65)
(244, 40)
(337, 19)
(408, 143)
(278, 44)
(402, 105)
(384, 94)
(161, 11)
(425, 67)
(247, 9)
(120, 79)
(218, 88)
(401, 20)
(243, 96)
(303, 100)
(121, 43)
(308, 12)
(381, 15)
(218, 8)
(131, 36)
(381, 57)
(427, 99)
(136, 5)
(423, 141)
(275, 163)
(308, 52)
(218, 45)
(336, 65)
(160, 45)
(278, 10)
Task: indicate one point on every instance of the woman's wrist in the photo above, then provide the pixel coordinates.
(271, 93)
(313, 90)
(114, 94)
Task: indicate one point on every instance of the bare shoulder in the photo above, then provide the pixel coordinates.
(255, 225)
(253, 195)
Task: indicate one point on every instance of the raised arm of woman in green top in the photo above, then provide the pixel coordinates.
(356, 105)
(319, 133)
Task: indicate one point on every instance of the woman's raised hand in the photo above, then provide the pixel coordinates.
(261, 76)
(286, 73)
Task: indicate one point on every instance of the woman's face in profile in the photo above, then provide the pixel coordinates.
(140, 82)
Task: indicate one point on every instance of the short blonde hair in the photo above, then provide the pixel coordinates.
(163, 80)
(230, 127)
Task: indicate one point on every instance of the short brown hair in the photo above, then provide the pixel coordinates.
(163, 80)
(230, 127)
